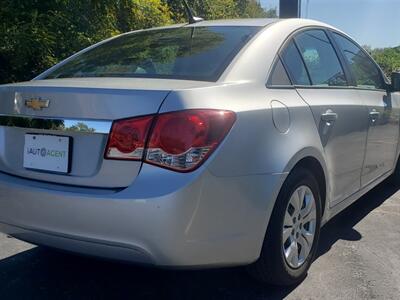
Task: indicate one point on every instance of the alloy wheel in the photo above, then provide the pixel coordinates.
(299, 227)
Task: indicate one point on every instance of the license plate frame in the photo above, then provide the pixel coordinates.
(47, 153)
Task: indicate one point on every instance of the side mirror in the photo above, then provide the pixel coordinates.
(395, 82)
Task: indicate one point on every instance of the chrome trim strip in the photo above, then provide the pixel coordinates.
(58, 124)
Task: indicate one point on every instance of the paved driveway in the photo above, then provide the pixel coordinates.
(359, 258)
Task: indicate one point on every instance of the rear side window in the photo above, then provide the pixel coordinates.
(193, 53)
(366, 73)
(320, 58)
(279, 76)
(294, 64)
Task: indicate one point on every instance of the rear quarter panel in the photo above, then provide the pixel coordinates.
(254, 145)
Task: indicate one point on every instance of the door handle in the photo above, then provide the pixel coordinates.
(329, 116)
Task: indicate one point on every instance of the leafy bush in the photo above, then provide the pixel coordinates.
(388, 59)
(37, 34)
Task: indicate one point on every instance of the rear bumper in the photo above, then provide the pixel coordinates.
(81, 245)
(164, 218)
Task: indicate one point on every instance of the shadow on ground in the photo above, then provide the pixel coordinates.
(44, 274)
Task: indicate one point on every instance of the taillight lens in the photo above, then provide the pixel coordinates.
(127, 138)
(180, 141)
(183, 140)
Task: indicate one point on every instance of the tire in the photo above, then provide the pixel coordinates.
(273, 267)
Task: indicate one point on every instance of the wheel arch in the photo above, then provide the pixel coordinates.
(312, 159)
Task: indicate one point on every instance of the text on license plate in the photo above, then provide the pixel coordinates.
(47, 152)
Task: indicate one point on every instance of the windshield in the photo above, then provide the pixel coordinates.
(192, 53)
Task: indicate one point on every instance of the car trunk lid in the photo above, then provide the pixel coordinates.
(83, 111)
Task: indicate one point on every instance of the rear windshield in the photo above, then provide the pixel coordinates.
(192, 53)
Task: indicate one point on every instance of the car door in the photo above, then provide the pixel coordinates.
(339, 113)
(383, 123)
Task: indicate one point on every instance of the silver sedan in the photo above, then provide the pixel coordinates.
(212, 144)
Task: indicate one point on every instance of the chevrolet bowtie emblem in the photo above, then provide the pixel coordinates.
(37, 103)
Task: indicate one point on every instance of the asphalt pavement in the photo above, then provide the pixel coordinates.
(358, 258)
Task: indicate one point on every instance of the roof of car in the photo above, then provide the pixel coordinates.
(236, 22)
(300, 22)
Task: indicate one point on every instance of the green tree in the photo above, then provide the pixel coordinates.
(37, 34)
(252, 9)
(215, 9)
(220, 9)
(81, 127)
(387, 58)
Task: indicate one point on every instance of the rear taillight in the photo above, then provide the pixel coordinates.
(183, 140)
(180, 141)
(127, 138)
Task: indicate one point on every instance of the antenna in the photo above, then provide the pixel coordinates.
(192, 19)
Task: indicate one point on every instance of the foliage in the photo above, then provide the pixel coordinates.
(387, 58)
(220, 9)
(34, 123)
(36, 34)
(252, 9)
(81, 127)
(152, 53)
